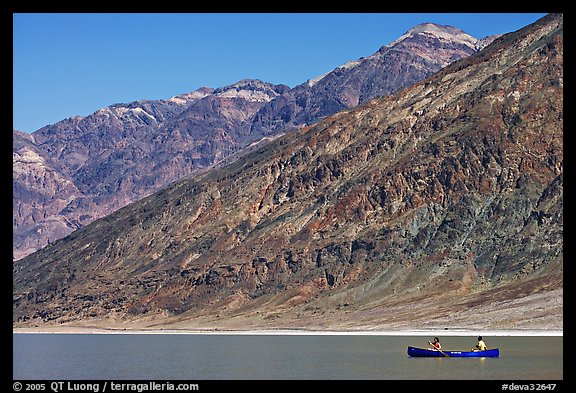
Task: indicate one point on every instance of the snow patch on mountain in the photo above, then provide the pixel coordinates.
(183, 99)
(122, 111)
(447, 33)
(248, 95)
(251, 90)
(140, 111)
(350, 64)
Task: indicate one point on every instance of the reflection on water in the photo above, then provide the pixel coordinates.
(216, 357)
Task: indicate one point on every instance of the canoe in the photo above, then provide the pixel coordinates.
(432, 353)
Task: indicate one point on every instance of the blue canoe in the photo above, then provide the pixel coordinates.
(432, 353)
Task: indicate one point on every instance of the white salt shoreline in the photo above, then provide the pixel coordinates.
(295, 332)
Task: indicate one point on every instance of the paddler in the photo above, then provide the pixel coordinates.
(436, 344)
(481, 346)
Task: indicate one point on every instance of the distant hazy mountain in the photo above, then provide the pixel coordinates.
(124, 152)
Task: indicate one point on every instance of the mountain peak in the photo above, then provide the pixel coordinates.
(429, 27)
(442, 32)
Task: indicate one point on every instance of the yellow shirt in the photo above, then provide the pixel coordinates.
(481, 346)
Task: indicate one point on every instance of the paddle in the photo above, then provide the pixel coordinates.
(446, 355)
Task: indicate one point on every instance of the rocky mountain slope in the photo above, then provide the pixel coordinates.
(124, 152)
(427, 208)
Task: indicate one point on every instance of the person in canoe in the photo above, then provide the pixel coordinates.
(436, 344)
(481, 346)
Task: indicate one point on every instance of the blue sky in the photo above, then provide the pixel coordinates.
(73, 64)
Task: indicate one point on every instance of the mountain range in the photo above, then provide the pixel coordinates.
(439, 206)
(68, 174)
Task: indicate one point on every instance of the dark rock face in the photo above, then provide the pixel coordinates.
(126, 151)
(447, 189)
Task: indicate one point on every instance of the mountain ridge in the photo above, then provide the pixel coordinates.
(125, 151)
(441, 200)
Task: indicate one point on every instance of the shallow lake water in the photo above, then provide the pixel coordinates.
(280, 357)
